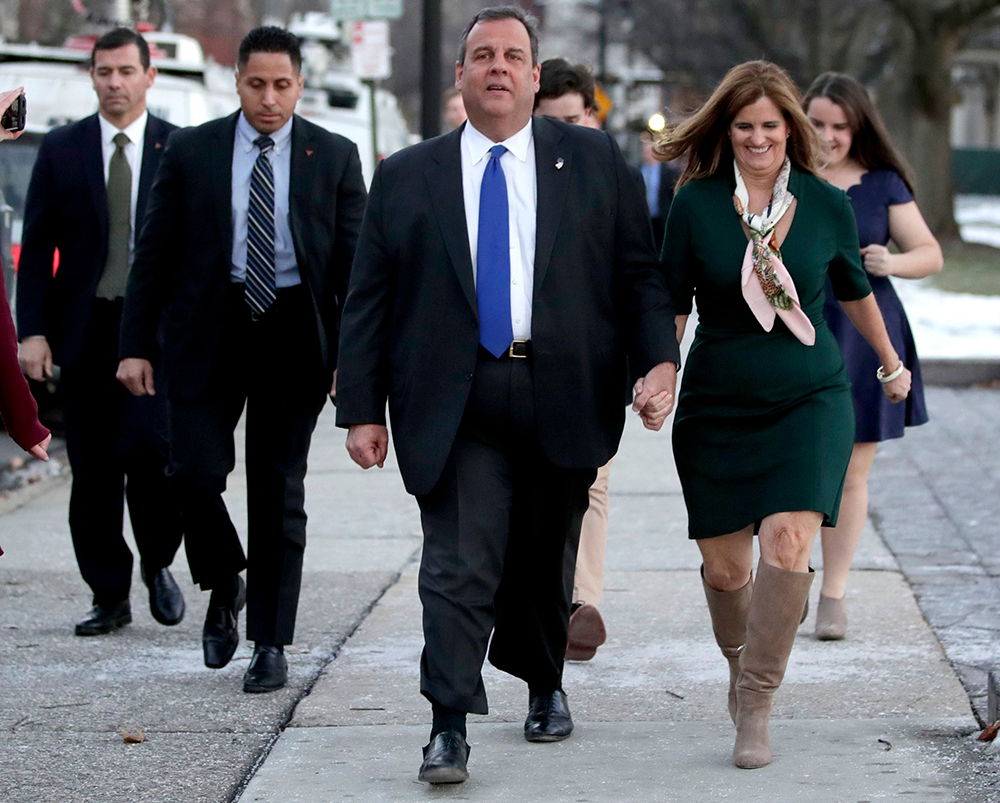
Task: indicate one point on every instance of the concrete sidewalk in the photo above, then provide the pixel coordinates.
(64, 698)
(650, 709)
(880, 716)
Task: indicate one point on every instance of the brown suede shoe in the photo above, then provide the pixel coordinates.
(586, 633)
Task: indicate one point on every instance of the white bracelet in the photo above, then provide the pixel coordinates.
(885, 378)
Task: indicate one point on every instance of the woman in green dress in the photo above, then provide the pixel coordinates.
(765, 421)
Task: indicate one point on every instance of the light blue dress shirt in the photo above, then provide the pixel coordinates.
(651, 175)
(244, 155)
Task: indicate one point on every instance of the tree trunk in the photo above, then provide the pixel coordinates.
(929, 147)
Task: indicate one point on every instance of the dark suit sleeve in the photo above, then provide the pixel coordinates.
(154, 251)
(649, 311)
(351, 196)
(362, 381)
(38, 244)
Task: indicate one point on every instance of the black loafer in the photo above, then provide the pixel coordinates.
(445, 759)
(268, 670)
(548, 719)
(220, 636)
(105, 618)
(166, 602)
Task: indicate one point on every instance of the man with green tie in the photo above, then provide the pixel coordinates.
(86, 202)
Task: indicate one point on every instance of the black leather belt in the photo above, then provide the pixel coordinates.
(519, 349)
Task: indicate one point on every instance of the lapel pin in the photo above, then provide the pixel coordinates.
(309, 152)
(559, 163)
(157, 146)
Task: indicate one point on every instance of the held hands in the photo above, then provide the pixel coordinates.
(40, 450)
(654, 395)
(877, 260)
(368, 444)
(36, 357)
(137, 375)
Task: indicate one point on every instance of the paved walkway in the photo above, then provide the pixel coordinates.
(880, 716)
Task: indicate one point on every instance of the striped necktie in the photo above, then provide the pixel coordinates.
(260, 231)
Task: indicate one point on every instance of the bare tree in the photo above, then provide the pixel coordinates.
(919, 98)
(908, 64)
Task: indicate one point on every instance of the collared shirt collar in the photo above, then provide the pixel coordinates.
(478, 144)
(246, 134)
(134, 130)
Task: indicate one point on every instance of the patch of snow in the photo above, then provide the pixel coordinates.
(951, 325)
(957, 325)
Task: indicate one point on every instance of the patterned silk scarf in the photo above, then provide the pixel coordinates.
(767, 286)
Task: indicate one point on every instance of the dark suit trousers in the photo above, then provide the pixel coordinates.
(273, 367)
(496, 527)
(117, 445)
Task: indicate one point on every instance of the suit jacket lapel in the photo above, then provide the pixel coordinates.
(552, 170)
(221, 161)
(444, 180)
(93, 158)
(303, 163)
(155, 140)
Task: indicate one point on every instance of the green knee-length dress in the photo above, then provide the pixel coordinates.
(764, 423)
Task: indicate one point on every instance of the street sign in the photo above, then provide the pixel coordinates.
(385, 9)
(348, 9)
(366, 9)
(371, 56)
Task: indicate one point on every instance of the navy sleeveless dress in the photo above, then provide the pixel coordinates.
(877, 419)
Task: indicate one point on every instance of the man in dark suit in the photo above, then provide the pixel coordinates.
(252, 225)
(503, 272)
(659, 179)
(87, 199)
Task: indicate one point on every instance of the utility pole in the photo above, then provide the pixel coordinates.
(602, 41)
(430, 70)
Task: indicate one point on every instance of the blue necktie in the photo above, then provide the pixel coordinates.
(493, 259)
(260, 231)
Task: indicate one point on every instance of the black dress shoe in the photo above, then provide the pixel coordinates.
(220, 636)
(105, 618)
(166, 602)
(548, 719)
(268, 670)
(445, 759)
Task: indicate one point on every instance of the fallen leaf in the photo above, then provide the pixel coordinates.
(132, 735)
(989, 732)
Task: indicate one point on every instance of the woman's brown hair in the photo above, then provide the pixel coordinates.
(703, 138)
(871, 145)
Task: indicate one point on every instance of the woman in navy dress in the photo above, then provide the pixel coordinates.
(864, 162)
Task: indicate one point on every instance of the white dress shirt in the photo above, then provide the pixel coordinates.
(136, 132)
(286, 271)
(518, 165)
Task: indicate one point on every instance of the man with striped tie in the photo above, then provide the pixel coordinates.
(244, 260)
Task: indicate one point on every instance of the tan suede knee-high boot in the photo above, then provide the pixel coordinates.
(775, 610)
(729, 623)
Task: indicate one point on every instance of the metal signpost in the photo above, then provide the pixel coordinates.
(371, 59)
(371, 55)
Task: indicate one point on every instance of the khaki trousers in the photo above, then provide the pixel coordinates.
(588, 584)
